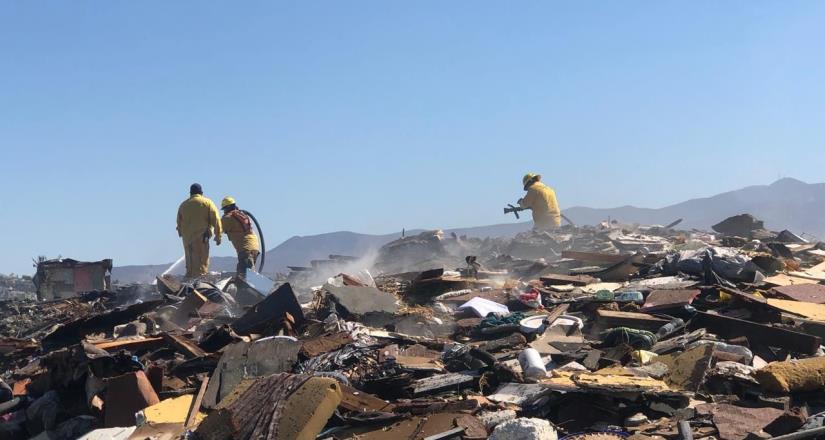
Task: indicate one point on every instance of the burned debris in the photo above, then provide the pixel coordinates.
(611, 331)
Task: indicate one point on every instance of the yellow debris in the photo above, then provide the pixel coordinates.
(809, 310)
(644, 357)
(172, 410)
(796, 375)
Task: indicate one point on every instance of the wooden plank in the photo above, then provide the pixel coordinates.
(552, 316)
(196, 404)
(641, 321)
(355, 400)
(813, 311)
(727, 327)
(554, 279)
(129, 344)
(443, 382)
(435, 406)
(184, 345)
(788, 280)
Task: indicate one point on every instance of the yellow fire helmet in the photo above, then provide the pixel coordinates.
(227, 201)
(529, 178)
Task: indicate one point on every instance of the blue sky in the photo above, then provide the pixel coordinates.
(373, 116)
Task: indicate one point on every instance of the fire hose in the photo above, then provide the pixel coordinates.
(260, 237)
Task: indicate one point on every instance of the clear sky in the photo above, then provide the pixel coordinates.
(372, 116)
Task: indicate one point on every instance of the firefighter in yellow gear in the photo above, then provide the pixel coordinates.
(198, 221)
(238, 227)
(541, 199)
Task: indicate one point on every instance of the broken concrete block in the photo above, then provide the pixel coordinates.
(524, 428)
(791, 376)
(491, 419)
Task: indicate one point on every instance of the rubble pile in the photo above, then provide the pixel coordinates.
(607, 332)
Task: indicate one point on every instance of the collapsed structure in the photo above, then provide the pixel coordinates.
(65, 278)
(606, 332)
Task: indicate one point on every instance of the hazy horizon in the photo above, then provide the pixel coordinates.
(523, 219)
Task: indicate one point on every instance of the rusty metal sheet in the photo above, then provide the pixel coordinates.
(126, 395)
(736, 422)
(686, 370)
(666, 299)
(814, 293)
(355, 400)
(728, 327)
(325, 343)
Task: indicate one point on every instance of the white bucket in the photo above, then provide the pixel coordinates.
(568, 321)
(531, 364)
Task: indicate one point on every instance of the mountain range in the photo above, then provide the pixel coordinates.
(785, 204)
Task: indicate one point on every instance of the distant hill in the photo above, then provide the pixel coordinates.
(299, 251)
(784, 204)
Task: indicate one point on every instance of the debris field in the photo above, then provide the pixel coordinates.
(612, 331)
